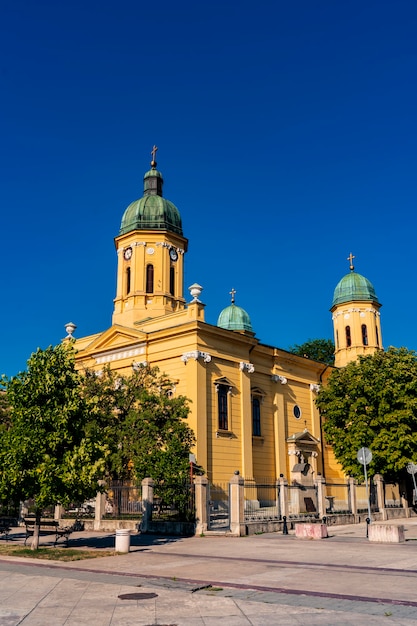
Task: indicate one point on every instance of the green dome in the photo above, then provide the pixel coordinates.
(152, 211)
(353, 287)
(234, 318)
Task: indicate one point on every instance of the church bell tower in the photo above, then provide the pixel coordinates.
(150, 256)
(356, 317)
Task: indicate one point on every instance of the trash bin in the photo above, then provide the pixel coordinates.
(122, 540)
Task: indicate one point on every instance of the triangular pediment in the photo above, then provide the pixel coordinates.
(223, 381)
(304, 437)
(116, 343)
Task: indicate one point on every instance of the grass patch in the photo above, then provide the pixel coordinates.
(54, 554)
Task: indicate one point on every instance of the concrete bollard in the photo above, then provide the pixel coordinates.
(386, 533)
(122, 540)
(311, 531)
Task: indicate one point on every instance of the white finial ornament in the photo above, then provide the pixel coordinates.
(195, 290)
(70, 328)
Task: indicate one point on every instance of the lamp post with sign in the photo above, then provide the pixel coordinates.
(412, 469)
(364, 457)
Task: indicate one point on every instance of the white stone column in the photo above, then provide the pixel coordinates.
(353, 501)
(236, 504)
(380, 495)
(59, 510)
(283, 496)
(147, 502)
(99, 510)
(320, 483)
(201, 488)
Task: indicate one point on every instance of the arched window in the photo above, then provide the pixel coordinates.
(348, 337)
(172, 281)
(364, 335)
(149, 278)
(337, 339)
(377, 335)
(127, 280)
(256, 416)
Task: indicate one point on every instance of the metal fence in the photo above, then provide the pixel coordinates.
(261, 500)
(362, 498)
(218, 506)
(123, 499)
(302, 500)
(392, 495)
(174, 502)
(337, 498)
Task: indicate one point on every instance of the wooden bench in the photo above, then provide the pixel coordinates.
(5, 527)
(48, 527)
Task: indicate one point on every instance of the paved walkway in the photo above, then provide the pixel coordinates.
(260, 580)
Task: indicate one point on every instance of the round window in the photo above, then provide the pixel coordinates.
(297, 412)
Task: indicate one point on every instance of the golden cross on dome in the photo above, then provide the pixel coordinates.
(153, 152)
(232, 293)
(350, 259)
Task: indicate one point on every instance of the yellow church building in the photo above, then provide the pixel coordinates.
(252, 405)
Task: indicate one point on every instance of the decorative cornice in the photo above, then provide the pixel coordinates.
(248, 367)
(119, 353)
(196, 355)
(356, 310)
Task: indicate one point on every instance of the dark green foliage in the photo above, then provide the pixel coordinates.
(144, 427)
(372, 402)
(317, 349)
(45, 451)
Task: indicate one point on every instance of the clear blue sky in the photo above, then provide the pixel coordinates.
(287, 136)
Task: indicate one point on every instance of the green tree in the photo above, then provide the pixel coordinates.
(4, 410)
(144, 426)
(317, 349)
(372, 402)
(46, 452)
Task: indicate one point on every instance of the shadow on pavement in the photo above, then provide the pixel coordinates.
(90, 540)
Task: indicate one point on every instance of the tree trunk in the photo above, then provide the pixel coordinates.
(35, 540)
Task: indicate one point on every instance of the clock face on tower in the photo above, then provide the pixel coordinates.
(127, 253)
(173, 254)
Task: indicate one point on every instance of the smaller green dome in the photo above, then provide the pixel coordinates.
(353, 287)
(234, 318)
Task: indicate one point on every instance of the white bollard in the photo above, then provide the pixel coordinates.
(122, 540)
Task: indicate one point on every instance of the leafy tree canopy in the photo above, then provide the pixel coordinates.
(142, 423)
(318, 349)
(46, 452)
(372, 402)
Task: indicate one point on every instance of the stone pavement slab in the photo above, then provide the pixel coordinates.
(266, 579)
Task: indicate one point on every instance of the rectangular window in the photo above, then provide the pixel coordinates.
(256, 417)
(172, 281)
(149, 279)
(127, 280)
(222, 407)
